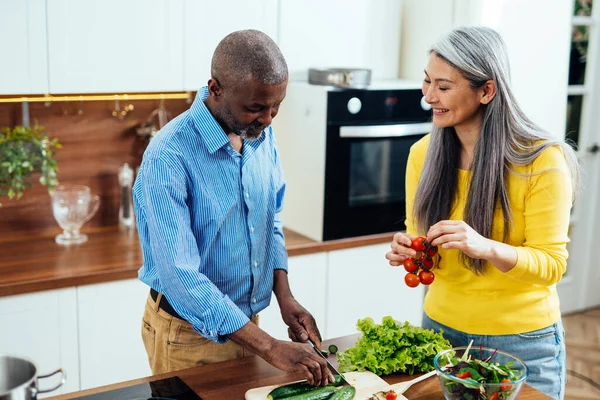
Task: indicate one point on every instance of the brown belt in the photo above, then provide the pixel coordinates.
(164, 304)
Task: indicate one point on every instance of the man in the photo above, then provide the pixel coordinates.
(207, 199)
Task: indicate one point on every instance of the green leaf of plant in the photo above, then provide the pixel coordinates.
(25, 151)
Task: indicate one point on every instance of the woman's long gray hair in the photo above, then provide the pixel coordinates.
(507, 138)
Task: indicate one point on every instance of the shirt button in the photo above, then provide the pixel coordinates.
(256, 263)
(247, 195)
(254, 300)
(251, 229)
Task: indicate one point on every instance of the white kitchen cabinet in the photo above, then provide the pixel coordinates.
(307, 277)
(361, 283)
(115, 46)
(205, 26)
(43, 328)
(24, 66)
(338, 33)
(110, 341)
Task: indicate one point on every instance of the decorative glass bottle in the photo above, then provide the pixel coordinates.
(126, 217)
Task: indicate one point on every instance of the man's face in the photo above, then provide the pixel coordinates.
(249, 107)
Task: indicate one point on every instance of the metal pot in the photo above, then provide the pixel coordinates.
(347, 78)
(19, 379)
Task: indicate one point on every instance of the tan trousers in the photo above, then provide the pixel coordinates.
(172, 344)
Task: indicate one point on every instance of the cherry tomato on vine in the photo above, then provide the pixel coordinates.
(432, 251)
(409, 265)
(426, 277)
(420, 261)
(419, 243)
(428, 262)
(391, 395)
(412, 280)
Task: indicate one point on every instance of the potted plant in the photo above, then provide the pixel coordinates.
(23, 152)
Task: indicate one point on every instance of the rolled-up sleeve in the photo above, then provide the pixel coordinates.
(542, 259)
(175, 253)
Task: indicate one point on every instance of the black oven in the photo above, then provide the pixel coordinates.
(365, 161)
(344, 154)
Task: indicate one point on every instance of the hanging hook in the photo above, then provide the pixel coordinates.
(80, 108)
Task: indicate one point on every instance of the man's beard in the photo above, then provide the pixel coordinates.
(245, 132)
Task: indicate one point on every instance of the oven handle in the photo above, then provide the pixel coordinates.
(380, 131)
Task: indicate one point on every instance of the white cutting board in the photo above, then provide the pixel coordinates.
(366, 383)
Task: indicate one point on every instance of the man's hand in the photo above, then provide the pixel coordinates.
(294, 357)
(288, 356)
(301, 324)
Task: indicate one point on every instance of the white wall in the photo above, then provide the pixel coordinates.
(423, 21)
(537, 35)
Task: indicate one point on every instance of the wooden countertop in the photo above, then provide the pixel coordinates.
(232, 379)
(38, 263)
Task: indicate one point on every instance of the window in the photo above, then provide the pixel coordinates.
(579, 88)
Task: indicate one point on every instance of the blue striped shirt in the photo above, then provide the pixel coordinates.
(208, 221)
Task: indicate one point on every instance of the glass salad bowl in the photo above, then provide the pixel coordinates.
(473, 373)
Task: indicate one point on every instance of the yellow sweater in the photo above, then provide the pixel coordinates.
(523, 299)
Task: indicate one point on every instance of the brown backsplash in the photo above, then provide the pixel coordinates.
(94, 146)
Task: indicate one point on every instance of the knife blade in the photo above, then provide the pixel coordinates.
(331, 367)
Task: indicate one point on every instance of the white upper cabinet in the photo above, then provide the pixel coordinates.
(338, 33)
(24, 66)
(207, 22)
(99, 46)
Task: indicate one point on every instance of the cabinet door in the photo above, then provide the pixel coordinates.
(362, 284)
(110, 338)
(207, 22)
(43, 328)
(307, 276)
(115, 46)
(338, 33)
(24, 66)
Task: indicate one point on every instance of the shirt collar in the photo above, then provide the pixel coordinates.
(210, 130)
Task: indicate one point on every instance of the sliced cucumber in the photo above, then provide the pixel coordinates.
(345, 393)
(333, 348)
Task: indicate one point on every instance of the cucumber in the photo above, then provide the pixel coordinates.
(333, 348)
(337, 381)
(293, 389)
(345, 393)
(316, 393)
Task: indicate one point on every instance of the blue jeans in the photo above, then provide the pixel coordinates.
(543, 351)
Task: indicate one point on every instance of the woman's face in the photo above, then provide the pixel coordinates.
(452, 100)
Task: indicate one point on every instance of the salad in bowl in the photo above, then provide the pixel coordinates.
(479, 373)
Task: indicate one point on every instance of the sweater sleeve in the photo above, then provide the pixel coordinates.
(414, 165)
(542, 259)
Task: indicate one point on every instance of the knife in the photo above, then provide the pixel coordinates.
(331, 367)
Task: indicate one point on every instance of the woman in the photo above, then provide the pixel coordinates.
(493, 191)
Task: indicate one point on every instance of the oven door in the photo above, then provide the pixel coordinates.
(365, 178)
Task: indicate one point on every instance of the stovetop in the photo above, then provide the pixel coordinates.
(163, 389)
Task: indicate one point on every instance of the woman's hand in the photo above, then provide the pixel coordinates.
(400, 249)
(460, 236)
